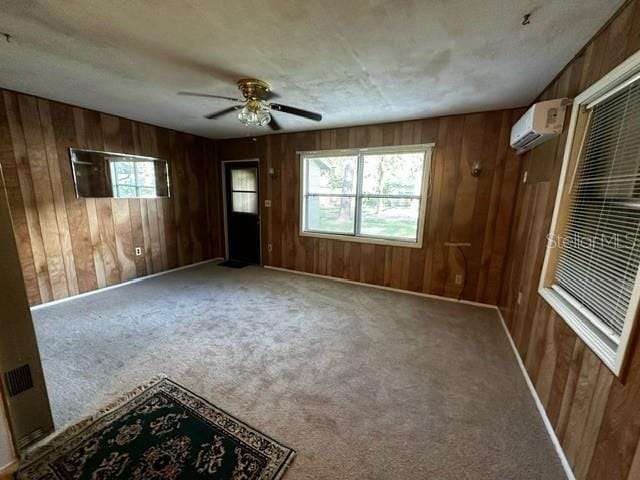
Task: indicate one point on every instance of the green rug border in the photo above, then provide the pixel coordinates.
(57, 440)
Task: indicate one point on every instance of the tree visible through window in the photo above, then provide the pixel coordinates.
(131, 179)
(372, 193)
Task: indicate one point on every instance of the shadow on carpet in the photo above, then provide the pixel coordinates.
(233, 264)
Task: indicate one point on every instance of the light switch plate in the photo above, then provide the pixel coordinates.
(267, 203)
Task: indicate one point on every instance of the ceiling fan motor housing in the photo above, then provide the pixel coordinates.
(253, 89)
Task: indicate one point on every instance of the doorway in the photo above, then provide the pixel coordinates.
(242, 210)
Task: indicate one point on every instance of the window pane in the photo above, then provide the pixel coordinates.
(102, 174)
(122, 173)
(125, 191)
(600, 247)
(146, 173)
(244, 179)
(393, 173)
(390, 217)
(332, 175)
(331, 214)
(147, 191)
(244, 202)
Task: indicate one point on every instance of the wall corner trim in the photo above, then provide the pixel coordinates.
(543, 413)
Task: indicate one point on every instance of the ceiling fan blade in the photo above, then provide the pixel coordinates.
(193, 94)
(273, 124)
(296, 111)
(219, 113)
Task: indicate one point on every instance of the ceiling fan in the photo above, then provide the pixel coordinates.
(255, 108)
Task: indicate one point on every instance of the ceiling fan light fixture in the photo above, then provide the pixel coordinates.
(254, 114)
(254, 110)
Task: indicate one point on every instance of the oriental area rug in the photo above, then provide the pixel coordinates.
(160, 431)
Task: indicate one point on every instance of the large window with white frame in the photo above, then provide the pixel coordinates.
(591, 273)
(373, 195)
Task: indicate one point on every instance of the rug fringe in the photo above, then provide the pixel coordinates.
(43, 446)
(286, 465)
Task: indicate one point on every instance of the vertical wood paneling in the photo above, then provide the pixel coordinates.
(170, 241)
(60, 208)
(90, 204)
(595, 414)
(120, 209)
(460, 207)
(69, 245)
(28, 194)
(106, 247)
(96, 246)
(8, 162)
(65, 134)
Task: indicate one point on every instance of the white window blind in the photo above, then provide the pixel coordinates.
(600, 250)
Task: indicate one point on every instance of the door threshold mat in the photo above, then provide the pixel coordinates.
(161, 430)
(233, 264)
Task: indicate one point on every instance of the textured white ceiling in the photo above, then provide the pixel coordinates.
(354, 61)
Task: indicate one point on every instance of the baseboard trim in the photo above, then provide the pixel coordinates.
(381, 287)
(543, 413)
(123, 284)
(8, 470)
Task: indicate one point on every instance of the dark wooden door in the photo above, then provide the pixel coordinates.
(243, 211)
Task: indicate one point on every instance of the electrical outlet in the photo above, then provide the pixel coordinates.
(267, 203)
(138, 251)
(458, 279)
(269, 247)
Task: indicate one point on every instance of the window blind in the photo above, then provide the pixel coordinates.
(600, 250)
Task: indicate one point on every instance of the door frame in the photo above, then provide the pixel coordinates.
(224, 203)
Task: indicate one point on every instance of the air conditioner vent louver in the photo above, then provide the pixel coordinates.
(528, 139)
(18, 380)
(30, 438)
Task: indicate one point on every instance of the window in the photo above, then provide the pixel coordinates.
(591, 274)
(244, 190)
(118, 175)
(375, 195)
(132, 179)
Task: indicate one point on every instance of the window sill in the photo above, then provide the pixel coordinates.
(590, 335)
(368, 240)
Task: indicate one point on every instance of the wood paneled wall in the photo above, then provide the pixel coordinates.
(596, 416)
(69, 245)
(461, 208)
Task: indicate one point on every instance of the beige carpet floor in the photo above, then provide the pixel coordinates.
(363, 383)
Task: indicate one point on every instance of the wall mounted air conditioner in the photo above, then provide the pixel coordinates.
(542, 122)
